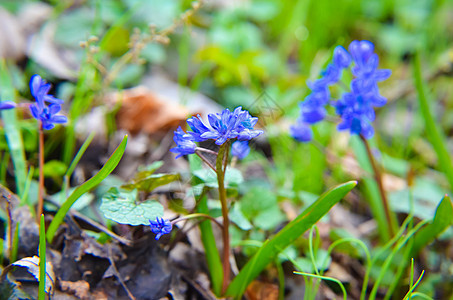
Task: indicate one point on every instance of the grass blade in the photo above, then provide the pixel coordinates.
(79, 154)
(286, 236)
(433, 131)
(210, 247)
(343, 290)
(42, 260)
(12, 132)
(109, 166)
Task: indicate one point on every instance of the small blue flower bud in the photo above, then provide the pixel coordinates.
(160, 226)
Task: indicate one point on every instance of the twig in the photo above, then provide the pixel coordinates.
(205, 293)
(117, 274)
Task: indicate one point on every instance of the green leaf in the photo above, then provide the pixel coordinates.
(145, 171)
(121, 207)
(260, 206)
(305, 264)
(91, 183)
(287, 236)
(149, 183)
(443, 218)
(210, 247)
(233, 177)
(238, 218)
(52, 168)
(44, 285)
(12, 129)
(433, 131)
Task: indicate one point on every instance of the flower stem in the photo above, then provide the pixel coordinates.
(378, 178)
(197, 215)
(41, 174)
(223, 152)
(206, 161)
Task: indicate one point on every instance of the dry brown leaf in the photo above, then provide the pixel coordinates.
(143, 111)
(258, 290)
(79, 288)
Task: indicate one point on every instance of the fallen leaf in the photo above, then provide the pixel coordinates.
(258, 290)
(32, 265)
(79, 288)
(142, 110)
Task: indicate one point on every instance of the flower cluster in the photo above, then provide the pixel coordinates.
(160, 227)
(47, 114)
(222, 127)
(355, 108)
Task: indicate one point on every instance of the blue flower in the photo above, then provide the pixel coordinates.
(184, 143)
(221, 127)
(341, 57)
(355, 108)
(198, 128)
(301, 131)
(47, 114)
(160, 227)
(240, 149)
(230, 125)
(7, 105)
(39, 89)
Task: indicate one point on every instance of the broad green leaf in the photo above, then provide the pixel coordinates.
(149, 183)
(233, 177)
(52, 168)
(80, 204)
(116, 41)
(426, 193)
(260, 206)
(287, 236)
(238, 218)
(122, 207)
(443, 218)
(270, 218)
(145, 171)
(91, 183)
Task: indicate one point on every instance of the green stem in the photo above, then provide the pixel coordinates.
(206, 161)
(378, 178)
(41, 173)
(42, 260)
(198, 215)
(223, 153)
